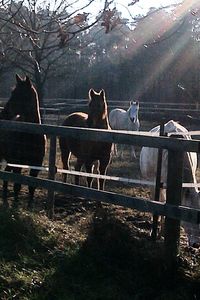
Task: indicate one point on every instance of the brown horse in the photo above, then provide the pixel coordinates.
(22, 148)
(87, 152)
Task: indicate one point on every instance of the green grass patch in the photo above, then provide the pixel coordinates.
(27, 249)
(44, 260)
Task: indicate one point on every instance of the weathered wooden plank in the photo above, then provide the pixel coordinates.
(121, 137)
(173, 196)
(51, 175)
(180, 212)
(157, 187)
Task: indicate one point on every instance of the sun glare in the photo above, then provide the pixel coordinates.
(147, 34)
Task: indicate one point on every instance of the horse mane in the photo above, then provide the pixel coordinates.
(34, 94)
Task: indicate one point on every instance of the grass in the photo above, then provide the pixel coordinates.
(31, 246)
(98, 254)
(24, 251)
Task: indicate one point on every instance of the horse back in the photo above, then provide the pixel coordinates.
(118, 118)
(84, 149)
(78, 119)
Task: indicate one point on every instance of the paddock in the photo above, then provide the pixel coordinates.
(133, 197)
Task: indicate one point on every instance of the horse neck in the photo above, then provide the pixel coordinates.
(33, 117)
(136, 115)
(105, 123)
(36, 119)
(99, 122)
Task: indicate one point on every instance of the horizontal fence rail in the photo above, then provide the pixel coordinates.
(110, 136)
(96, 176)
(183, 213)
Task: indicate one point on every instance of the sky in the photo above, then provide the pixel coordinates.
(141, 7)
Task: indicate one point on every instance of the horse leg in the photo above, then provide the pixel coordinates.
(17, 186)
(154, 226)
(103, 165)
(120, 150)
(133, 155)
(33, 173)
(78, 166)
(154, 230)
(156, 218)
(114, 149)
(89, 169)
(162, 218)
(95, 169)
(5, 189)
(65, 155)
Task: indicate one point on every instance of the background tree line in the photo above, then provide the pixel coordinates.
(66, 51)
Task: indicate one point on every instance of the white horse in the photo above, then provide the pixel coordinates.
(190, 197)
(120, 119)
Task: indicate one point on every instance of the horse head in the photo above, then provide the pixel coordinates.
(133, 111)
(23, 101)
(97, 108)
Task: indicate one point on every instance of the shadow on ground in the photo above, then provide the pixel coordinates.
(113, 261)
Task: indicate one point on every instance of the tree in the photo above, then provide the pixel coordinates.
(145, 60)
(71, 49)
(36, 35)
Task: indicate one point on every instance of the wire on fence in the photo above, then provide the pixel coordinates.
(96, 176)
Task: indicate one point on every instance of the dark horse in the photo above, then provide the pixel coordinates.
(87, 152)
(17, 147)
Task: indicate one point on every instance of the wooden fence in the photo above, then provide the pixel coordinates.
(172, 209)
(149, 111)
(54, 110)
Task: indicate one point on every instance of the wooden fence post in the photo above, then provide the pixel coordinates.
(173, 196)
(51, 175)
(157, 187)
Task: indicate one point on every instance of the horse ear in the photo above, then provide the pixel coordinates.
(18, 78)
(91, 93)
(102, 93)
(28, 82)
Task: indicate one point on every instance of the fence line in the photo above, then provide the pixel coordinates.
(183, 213)
(62, 102)
(172, 209)
(125, 102)
(96, 176)
(99, 135)
(133, 138)
(152, 111)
